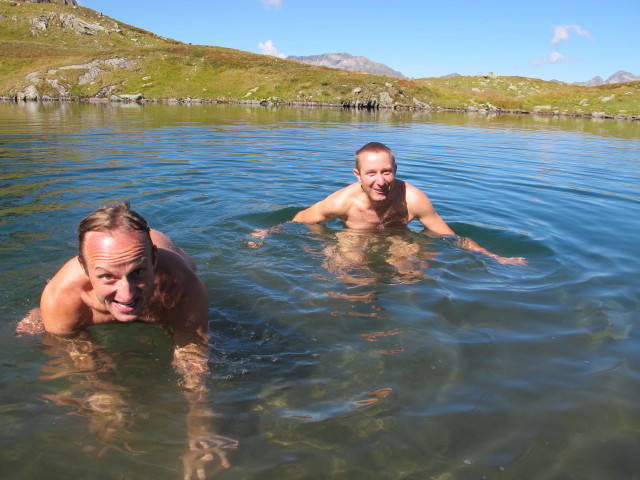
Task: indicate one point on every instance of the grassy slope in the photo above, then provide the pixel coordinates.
(165, 68)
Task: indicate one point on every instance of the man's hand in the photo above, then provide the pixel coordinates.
(512, 260)
(205, 451)
(260, 234)
(468, 244)
(31, 324)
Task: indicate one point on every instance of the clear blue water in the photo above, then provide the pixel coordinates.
(337, 354)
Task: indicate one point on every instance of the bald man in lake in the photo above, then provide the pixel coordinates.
(379, 200)
(126, 272)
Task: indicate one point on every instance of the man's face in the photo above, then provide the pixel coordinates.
(377, 174)
(120, 266)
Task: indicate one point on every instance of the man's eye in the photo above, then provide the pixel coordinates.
(138, 272)
(106, 277)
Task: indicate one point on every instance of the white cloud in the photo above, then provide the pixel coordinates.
(268, 48)
(272, 3)
(554, 58)
(561, 33)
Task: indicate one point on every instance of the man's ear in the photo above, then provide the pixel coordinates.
(154, 255)
(84, 267)
(356, 172)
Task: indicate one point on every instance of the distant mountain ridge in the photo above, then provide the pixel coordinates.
(619, 77)
(346, 61)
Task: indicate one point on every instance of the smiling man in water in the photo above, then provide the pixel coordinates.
(126, 272)
(378, 200)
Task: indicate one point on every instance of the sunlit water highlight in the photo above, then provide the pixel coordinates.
(338, 354)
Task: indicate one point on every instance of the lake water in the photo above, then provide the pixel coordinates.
(337, 354)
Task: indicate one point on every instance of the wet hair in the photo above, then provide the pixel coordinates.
(374, 147)
(117, 216)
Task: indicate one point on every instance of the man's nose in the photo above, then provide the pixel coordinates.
(126, 290)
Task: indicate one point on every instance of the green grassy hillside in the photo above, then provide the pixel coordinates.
(63, 52)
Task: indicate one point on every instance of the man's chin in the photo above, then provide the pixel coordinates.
(120, 318)
(379, 197)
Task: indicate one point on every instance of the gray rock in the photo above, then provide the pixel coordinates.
(31, 94)
(134, 97)
(421, 105)
(40, 23)
(67, 20)
(385, 100)
(62, 91)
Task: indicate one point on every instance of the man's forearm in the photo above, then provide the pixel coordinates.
(468, 244)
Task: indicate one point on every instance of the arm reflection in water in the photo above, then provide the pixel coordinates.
(89, 366)
(112, 414)
(191, 361)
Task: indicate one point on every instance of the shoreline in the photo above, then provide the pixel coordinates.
(140, 99)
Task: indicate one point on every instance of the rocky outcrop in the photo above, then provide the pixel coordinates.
(55, 78)
(71, 22)
(135, 97)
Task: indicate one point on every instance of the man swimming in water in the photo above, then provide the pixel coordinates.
(127, 272)
(378, 200)
(124, 272)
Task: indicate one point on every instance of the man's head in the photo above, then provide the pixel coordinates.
(374, 147)
(117, 216)
(376, 171)
(117, 254)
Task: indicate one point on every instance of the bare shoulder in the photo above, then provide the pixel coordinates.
(62, 305)
(419, 206)
(335, 205)
(160, 240)
(417, 200)
(181, 294)
(342, 199)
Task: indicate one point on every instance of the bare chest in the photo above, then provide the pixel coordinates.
(366, 217)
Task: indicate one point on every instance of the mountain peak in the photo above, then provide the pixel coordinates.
(619, 77)
(346, 61)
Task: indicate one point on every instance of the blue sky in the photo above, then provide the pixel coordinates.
(571, 41)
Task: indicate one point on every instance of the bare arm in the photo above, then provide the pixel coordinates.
(64, 304)
(191, 361)
(331, 207)
(420, 207)
(320, 212)
(190, 321)
(335, 205)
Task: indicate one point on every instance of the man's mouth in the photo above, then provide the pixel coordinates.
(126, 306)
